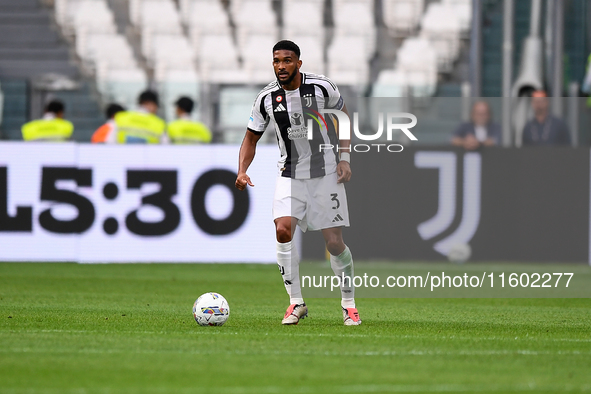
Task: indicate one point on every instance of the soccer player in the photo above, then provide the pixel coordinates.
(309, 190)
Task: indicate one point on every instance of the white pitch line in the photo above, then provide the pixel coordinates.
(304, 334)
(358, 388)
(420, 352)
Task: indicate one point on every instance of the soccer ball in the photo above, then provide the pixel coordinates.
(211, 309)
(459, 253)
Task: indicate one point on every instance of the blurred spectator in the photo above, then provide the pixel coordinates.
(184, 130)
(586, 88)
(480, 131)
(52, 127)
(544, 128)
(142, 126)
(100, 135)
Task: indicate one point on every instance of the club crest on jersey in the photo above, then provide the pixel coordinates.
(298, 130)
(308, 99)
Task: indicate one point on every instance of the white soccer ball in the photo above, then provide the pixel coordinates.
(211, 309)
(459, 253)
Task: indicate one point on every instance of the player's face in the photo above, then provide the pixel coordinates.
(286, 65)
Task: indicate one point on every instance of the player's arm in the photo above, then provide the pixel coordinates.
(246, 156)
(257, 124)
(344, 168)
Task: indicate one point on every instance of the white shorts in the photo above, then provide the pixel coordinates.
(317, 203)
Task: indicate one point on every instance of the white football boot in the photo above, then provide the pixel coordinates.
(294, 313)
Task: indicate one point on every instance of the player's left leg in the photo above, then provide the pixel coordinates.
(341, 263)
(289, 265)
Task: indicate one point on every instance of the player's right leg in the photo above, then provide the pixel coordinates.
(289, 266)
(287, 210)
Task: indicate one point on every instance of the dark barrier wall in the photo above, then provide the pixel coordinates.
(507, 204)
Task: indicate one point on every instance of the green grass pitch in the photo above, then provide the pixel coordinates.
(84, 329)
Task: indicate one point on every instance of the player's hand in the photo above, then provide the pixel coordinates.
(343, 172)
(242, 180)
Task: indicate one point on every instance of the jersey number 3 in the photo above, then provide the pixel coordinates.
(335, 199)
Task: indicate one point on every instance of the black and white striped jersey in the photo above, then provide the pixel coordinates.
(291, 112)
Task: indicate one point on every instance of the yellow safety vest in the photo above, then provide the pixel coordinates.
(138, 128)
(54, 130)
(188, 132)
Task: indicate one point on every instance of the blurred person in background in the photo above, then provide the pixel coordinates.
(52, 127)
(142, 126)
(586, 87)
(480, 131)
(544, 129)
(184, 130)
(100, 135)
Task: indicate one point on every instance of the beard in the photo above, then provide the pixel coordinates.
(289, 79)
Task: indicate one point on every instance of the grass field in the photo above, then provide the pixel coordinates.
(68, 328)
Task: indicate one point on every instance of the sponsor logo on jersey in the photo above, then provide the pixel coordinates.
(297, 119)
(298, 130)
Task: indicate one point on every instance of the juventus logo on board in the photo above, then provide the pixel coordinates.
(446, 163)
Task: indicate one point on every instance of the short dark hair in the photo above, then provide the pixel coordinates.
(55, 107)
(185, 104)
(287, 45)
(148, 96)
(112, 110)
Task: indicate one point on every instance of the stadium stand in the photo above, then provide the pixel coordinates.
(356, 19)
(167, 49)
(219, 49)
(463, 10)
(415, 72)
(28, 45)
(311, 24)
(347, 59)
(433, 49)
(77, 16)
(204, 17)
(441, 26)
(353, 44)
(31, 47)
(402, 16)
(256, 60)
(390, 83)
(254, 17)
(104, 52)
(219, 60)
(234, 103)
(312, 54)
